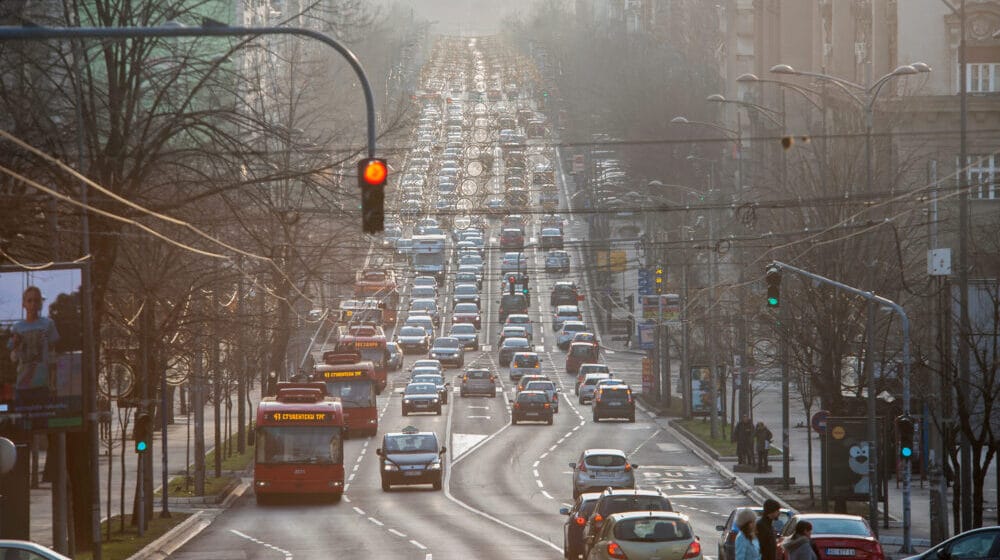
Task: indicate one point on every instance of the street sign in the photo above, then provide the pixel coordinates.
(645, 282)
(818, 421)
(578, 163)
(647, 376)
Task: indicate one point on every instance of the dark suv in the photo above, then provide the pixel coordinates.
(617, 500)
(576, 522)
(564, 293)
(614, 401)
(512, 304)
(531, 405)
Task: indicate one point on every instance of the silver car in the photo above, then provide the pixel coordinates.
(589, 386)
(602, 468)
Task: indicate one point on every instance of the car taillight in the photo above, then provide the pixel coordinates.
(581, 521)
(615, 551)
(598, 518)
(493, 378)
(536, 365)
(555, 397)
(694, 550)
(465, 378)
(878, 553)
(517, 405)
(582, 467)
(547, 405)
(731, 537)
(628, 467)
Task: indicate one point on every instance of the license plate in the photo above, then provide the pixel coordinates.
(840, 552)
(411, 473)
(531, 414)
(421, 405)
(605, 475)
(614, 404)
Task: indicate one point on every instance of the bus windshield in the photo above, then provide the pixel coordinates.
(298, 444)
(353, 393)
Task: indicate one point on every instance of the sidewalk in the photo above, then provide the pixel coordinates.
(179, 438)
(767, 408)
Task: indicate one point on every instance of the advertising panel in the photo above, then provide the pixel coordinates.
(41, 338)
(847, 452)
(701, 380)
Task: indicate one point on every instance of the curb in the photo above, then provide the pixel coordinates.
(175, 538)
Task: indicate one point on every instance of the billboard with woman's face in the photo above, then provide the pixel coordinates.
(41, 349)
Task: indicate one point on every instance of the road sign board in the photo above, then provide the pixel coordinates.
(578, 163)
(645, 282)
(818, 421)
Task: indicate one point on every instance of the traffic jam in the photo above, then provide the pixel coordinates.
(468, 340)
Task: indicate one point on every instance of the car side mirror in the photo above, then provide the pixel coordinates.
(378, 451)
(720, 527)
(564, 511)
(571, 465)
(634, 466)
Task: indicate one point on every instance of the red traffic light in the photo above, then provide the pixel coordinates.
(374, 171)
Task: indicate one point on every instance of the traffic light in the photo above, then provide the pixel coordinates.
(511, 280)
(772, 274)
(372, 173)
(524, 285)
(904, 427)
(659, 279)
(143, 434)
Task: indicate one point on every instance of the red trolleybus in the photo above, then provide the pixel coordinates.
(299, 443)
(355, 383)
(367, 340)
(378, 288)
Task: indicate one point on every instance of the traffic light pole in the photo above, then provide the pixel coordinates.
(905, 322)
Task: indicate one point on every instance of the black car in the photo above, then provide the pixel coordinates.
(448, 350)
(511, 346)
(421, 397)
(531, 405)
(411, 457)
(564, 293)
(576, 521)
(614, 401)
(512, 304)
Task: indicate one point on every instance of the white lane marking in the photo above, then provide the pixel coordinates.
(477, 406)
(547, 495)
(376, 521)
(285, 553)
(346, 499)
(474, 416)
(539, 483)
(553, 448)
(543, 455)
(359, 511)
(418, 545)
(535, 466)
(398, 533)
(534, 472)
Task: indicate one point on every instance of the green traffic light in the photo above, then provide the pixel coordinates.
(140, 446)
(772, 302)
(907, 452)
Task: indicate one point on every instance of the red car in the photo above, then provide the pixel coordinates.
(466, 313)
(836, 536)
(581, 353)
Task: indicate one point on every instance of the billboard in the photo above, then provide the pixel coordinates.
(41, 349)
(846, 454)
(701, 380)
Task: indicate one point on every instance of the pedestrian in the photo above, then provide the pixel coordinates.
(765, 530)
(743, 435)
(747, 544)
(800, 545)
(763, 438)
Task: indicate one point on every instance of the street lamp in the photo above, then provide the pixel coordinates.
(866, 96)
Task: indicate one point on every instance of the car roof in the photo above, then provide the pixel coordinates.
(659, 514)
(516, 327)
(528, 354)
(573, 323)
(598, 375)
(562, 308)
(609, 451)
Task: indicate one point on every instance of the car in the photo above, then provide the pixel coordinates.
(564, 336)
(467, 313)
(575, 522)
(512, 238)
(421, 397)
(585, 336)
(27, 550)
(423, 292)
(421, 320)
(449, 350)
(511, 346)
(521, 320)
(836, 536)
(412, 338)
(411, 457)
(983, 542)
(466, 293)
(524, 363)
(581, 374)
(551, 238)
(423, 280)
(613, 401)
(638, 535)
(466, 333)
(618, 500)
(531, 405)
(589, 386)
(564, 313)
(468, 277)
(477, 271)
(425, 306)
(544, 385)
(478, 381)
(512, 304)
(513, 261)
(727, 539)
(581, 353)
(443, 387)
(512, 330)
(600, 468)
(395, 360)
(557, 262)
(564, 293)
(403, 245)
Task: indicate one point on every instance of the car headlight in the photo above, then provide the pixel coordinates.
(434, 354)
(390, 467)
(406, 401)
(434, 401)
(435, 466)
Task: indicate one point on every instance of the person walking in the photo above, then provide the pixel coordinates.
(763, 438)
(743, 435)
(747, 543)
(800, 545)
(765, 530)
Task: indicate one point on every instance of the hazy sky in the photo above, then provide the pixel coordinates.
(466, 17)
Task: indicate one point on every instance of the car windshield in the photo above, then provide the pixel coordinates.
(518, 319)
(651, 529)
(540, 386)
(839, 526)
(478, 374)
(428, 378)
(515, 343)
(411, 331)
(463, 328)
(594, 368)
(581, 350)
(532, 397)
(574, 327)
(466, 308)
(614, 395)
(606, 461)
(446, 343)
(514, 331)
(421, 389)
(466, 289)
(525, 361)
(423, 304)
(411, 443)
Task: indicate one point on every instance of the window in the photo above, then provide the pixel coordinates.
(982, 77)
(983, 176)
